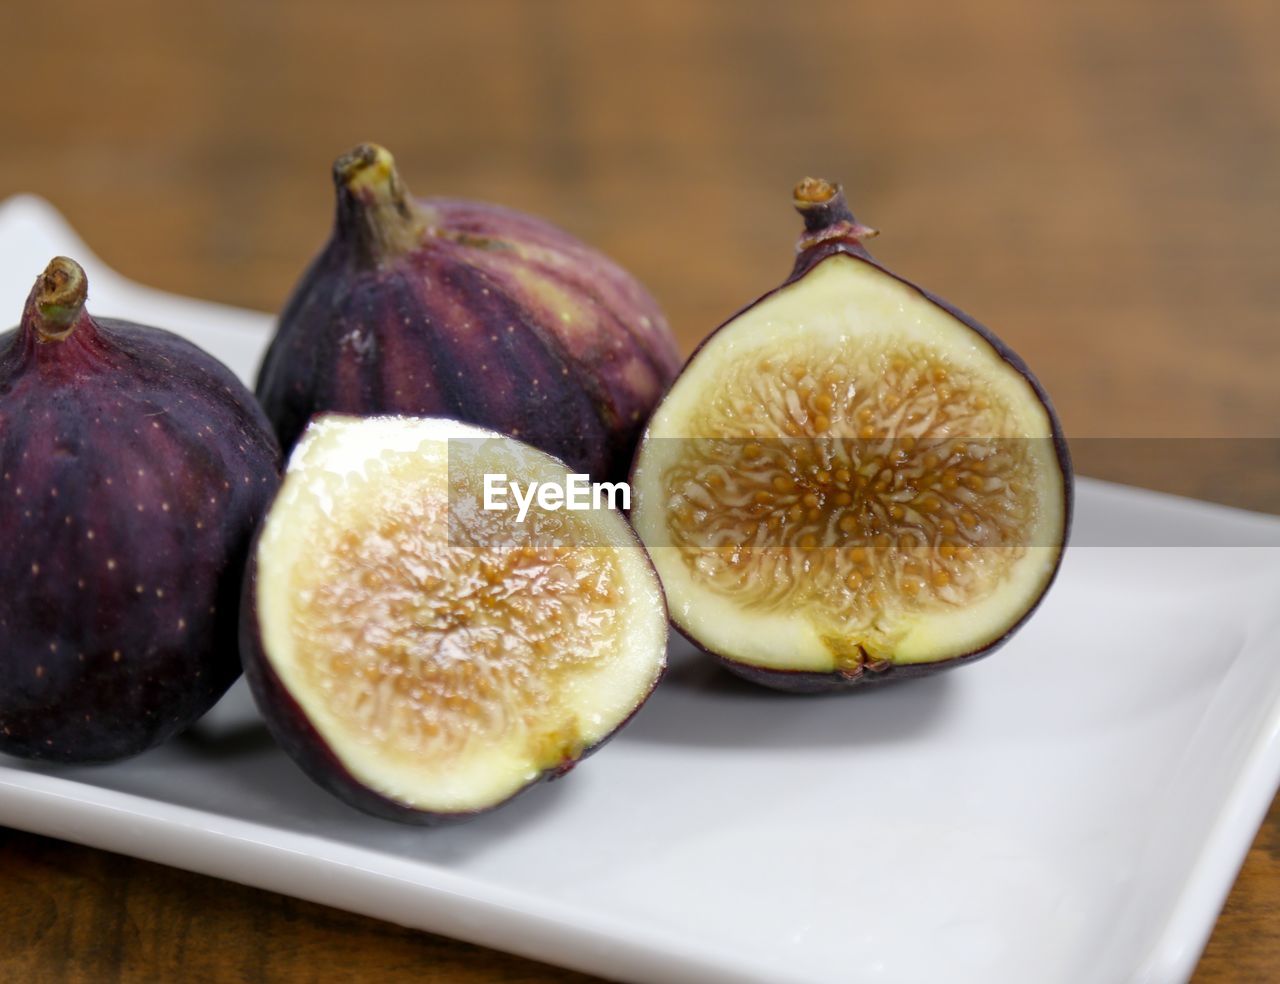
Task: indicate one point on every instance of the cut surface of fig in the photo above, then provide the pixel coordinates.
(438, 657)
(850, 477)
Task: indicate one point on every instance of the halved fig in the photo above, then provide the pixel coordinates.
(426, 658)
(851, 480)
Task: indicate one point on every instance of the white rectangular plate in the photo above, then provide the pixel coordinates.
(1074, 808)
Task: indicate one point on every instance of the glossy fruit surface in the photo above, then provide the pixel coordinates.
(422, 657)
(851, 480)
(471, 311)
(133, 470)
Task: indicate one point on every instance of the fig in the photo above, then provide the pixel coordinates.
(134, 468)
(424, 657)
(851, 480)
(467, 310)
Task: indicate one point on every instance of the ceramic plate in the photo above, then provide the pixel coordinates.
(1074, 808)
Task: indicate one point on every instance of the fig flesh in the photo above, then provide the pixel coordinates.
(471, 311)
(134, 468)
(425, 658)
(851, 480)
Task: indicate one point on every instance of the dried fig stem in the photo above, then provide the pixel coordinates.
(58, 299)
(377, 217)
(826, 215)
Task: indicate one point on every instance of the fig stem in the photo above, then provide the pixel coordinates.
(58, 297)
(376, 214)
(826, 214)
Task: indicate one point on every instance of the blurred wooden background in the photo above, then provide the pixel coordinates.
(1098, 181)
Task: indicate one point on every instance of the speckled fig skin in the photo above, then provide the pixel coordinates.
(134, 468)
(462, 309)
(830, 229)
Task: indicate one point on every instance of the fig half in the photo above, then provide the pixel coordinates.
(851, 480)
(426, 658)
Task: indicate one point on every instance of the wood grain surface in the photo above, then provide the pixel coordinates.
(1098, 181)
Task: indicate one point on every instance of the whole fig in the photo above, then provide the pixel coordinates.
(472, 311)
(134, 468)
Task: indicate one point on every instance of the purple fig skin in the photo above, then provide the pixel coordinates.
(134, 468)
(830, 229)
(441, 307)
(297, 736)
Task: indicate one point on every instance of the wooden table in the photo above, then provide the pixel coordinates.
(1099, 181)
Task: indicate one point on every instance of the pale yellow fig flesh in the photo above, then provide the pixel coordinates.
(426, 658)
(847, 476)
